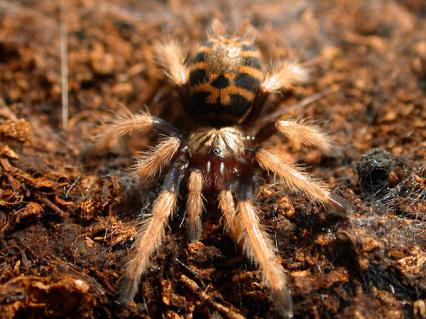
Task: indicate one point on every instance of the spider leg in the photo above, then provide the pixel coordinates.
(301, 133)
(258, 247)
(227, 207)
(258, 104)
(127, 123)
(194, 205)
(298, 179)
(297, 132)
(216, 29)
(152, 233)
(284, 78)
(171, 57)
(150, 163)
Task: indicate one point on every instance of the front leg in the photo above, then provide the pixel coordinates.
(126, 123)
(152, 234)
(150, 163)
(283, 78)
(171, 57)
(297, 132)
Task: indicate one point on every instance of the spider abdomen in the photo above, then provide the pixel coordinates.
(224, 78)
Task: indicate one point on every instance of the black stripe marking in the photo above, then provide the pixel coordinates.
(199, 99)
(198, 76)
(247, 82)
(239, 105)
(199, 57)
(253, 62)
(220, 82)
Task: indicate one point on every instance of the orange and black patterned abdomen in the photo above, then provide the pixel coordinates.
(224, 78)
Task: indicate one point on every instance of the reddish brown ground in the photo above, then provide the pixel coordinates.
(67, 222)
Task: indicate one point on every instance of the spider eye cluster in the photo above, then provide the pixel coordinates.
(224, 79)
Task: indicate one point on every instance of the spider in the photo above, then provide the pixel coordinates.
(224, 87)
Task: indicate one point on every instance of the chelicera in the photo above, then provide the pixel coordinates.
(224, 86)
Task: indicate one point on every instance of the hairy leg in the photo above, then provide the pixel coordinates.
(227, 207)
(243, 225)
(151, 235)
(126, 123)
(151, 163)
(172, 58)
(284, 78)
(194, 206)
(258, 247)
(298, 133)
(302, 133)
(297, 179)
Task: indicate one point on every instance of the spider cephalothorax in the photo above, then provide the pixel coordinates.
(223, 86)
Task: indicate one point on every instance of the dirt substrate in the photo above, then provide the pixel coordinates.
(67, 221)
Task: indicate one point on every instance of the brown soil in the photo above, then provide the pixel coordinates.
(67, 221)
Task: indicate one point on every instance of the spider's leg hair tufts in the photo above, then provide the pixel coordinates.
(285, 77)
(149, 239)
(194, 205)
(150, 163)
(303, 133)
(171, 57)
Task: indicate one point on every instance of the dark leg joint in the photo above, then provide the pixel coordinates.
(173, 178)
(162, 126)
(265, 132)
(247, 189)
(258, 105)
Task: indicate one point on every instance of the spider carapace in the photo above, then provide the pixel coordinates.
(225, 88)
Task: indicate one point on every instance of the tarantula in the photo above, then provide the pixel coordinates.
(225, 88)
